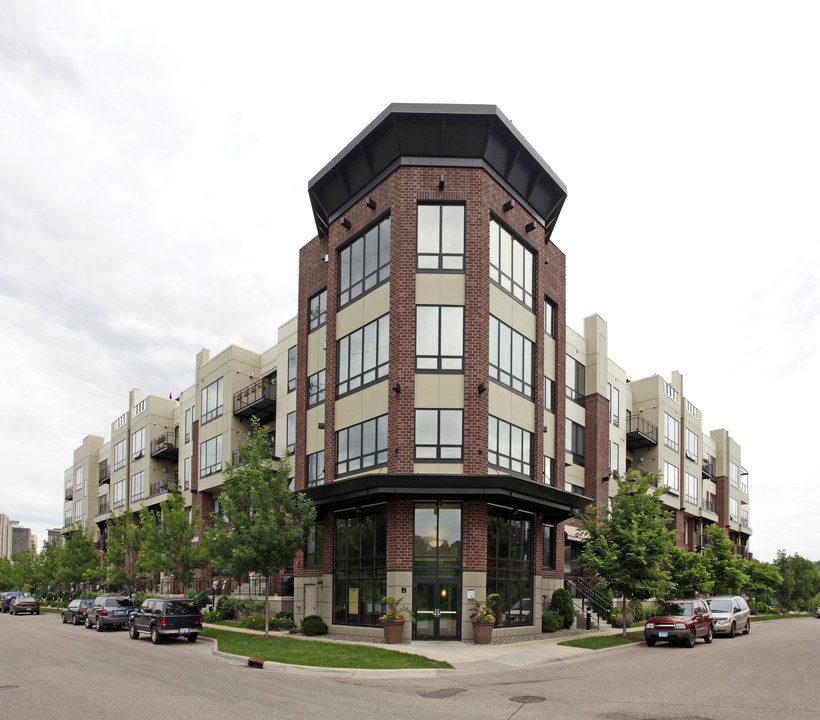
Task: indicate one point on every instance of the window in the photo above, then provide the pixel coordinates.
(292, 369)
(119, 494)
(137, 486)
(549, 470)
(576, 380)
(138, 444)
(359, 566)
(614, 457)
(78, 479)
(548, 547)
(691, 492)
(316, 388)
(290, 436)
(363, 357)
(439, 337)
(364, 263)
(691, 445)
(316, 468)
(510, 357)
(549, 394)
(119, 454)
(314, 546)
(189, 424)
(710, 502)
(509, 565)
(67, 518)
(575, 437)
(550, 311)
(439, 434)
(614, 406)
(671, 433)
(671, 477)
(211, 401)
(511, 266)
(440, 237)
(734, 475)
(186, 474)
(361, 446)
(210, 456)
(734, 516)
(509, 447)
(78, 510)
(317, 311)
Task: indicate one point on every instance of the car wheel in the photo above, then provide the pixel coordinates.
(709, 635)
(75, 621)
(37, 612)
(64, 619)
(650, 643)
(192, 637)
(87, 623)
(748, 627)
(132, 632)
(690, 638)
(732, 632)
(156, 638)
(99, 625)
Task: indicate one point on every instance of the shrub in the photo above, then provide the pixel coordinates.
(211, 616)
(617, 621)
(235, 608)
(253, 622)
(313, 625)
(551, 621)
(561, 602)
(635, 607)
(649, 611)
(140, 597)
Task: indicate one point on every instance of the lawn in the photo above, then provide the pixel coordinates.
(774, 616)
(600, 642)
(316, 653)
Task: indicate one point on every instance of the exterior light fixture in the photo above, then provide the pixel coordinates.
(396, 387)
(530, 226)
(509, 205)
(345, 223)
(482, 388)
(440, 183)
(371, 203)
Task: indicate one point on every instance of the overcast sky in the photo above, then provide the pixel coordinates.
(154, 161)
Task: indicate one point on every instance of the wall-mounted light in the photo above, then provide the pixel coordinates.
(319, 582)
(509, 205)
(396, 387)
(482, 388)
(530, 226)
(345, 223)
(371, 203)
(440, 183)
(321, 426)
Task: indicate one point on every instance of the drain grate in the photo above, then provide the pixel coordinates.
(527, 699)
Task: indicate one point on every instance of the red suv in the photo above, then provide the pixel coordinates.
(680, 621)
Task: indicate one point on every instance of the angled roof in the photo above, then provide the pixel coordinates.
(440, 135)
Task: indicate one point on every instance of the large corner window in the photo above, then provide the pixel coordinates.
(691, 445)
(314, 546)
(575, 438)
(440, 337)
(359, 566)
(137, 486)
(119, 454)
(576, 380)
(361, 446)
(363, 357)
(671, 432)
(511, 264)
(138, 444)
(439, 435)
(509, 447)
(292, 369)
(210, 456)
(364, 263)
(510, 358)
(671, 477)
(691, 492)
(550, 311)
(316, 389)
(317, 310)
(211, 401)
(119, 494)
(316, 469)
(510, 566)
(440, 237)
(290, 433)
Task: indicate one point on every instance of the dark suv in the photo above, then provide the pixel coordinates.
(108, 611)
(680, 621)
(8, 597)
(166, 617)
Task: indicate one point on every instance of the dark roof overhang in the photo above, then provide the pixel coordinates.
(437, 135)
(552, 504)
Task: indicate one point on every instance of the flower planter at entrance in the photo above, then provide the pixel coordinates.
(482, 632)
(393, 631)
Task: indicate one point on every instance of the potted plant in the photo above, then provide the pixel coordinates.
(483, 619)
(393, 620)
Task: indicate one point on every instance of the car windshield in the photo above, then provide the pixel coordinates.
(675, 608)
(118, 602)
(181, 607)
(721, 605)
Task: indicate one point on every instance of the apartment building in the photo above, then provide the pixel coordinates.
(443, 418)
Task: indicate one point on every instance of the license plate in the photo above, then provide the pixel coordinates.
(183, 631)
(663, 633)
(119, 612)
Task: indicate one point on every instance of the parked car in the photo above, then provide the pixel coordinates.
(520, 613)
(75, 611)
(8, 597)
(166, 617)
(24, 604)
(680, 621)
(730, 614)
(108, 611)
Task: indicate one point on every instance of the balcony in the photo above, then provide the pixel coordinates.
(165, 447)
(258, 398)
(709, 506)
(640, 433)
(708, 468)
(162, 486)
(105, 473)
(103, 505)
(69, 494)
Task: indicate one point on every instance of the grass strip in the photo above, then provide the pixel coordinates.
(599, 642)
(316, 653)
(775, 616)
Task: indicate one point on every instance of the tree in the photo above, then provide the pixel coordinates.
(27, 570)
(801, 582)
(52, 558)
(628, 545)
(689, 574)
(764, 580)
(124, 545)
(6, 574)
(80, 561)
(263, 523)
(728, 569)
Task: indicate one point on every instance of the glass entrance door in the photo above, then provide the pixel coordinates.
(437, 611)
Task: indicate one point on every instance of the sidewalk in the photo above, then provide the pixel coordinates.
(465, 658)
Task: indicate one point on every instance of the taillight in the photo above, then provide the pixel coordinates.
(200, 619)
(162, 621)
(103, 612)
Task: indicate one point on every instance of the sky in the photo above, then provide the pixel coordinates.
(155, 156)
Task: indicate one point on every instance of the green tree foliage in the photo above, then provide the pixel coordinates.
(690, 574)
(264, 523)
(6, 574)
(728, 570)
(561, 602)
(124, 545)
(27, 570)
(801, 581)
(628, 546)
(764, 580)
(80, 561)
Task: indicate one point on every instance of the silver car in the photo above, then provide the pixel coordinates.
(731, 614)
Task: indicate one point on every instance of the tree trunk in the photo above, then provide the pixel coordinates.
(623, 614)
(267, 610)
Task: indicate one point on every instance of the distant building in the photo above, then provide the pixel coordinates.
(20, 538)
(54, 534)
(5, 536)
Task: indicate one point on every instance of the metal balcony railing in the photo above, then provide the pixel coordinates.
(105, 472)
(709, 506)
(258, 398)
(640, 432)
(165, 446)
(103, 505)
(69, 493)
(162, 486)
